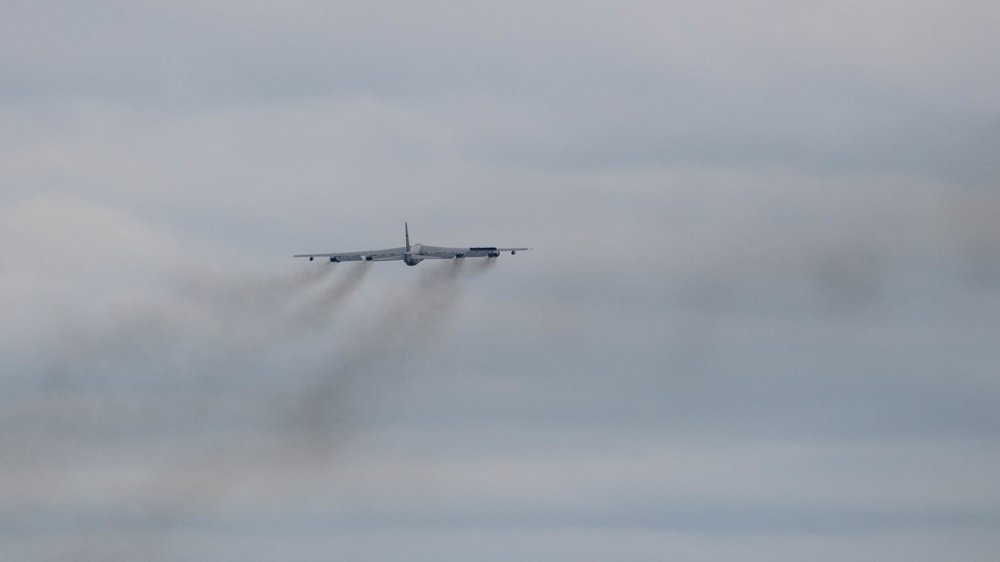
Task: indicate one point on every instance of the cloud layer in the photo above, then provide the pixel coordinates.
(759, 319)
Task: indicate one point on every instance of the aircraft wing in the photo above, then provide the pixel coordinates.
(442, 252)
(387, 254)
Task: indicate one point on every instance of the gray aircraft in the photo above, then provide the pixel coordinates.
(412, 255)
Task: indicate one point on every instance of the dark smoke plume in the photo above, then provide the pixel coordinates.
(408, 320)
(317, 313)
(214, 386)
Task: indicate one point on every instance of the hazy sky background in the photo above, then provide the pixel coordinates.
(759, 322)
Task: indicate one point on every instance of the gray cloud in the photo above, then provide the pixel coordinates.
(761, 306)
(816, 89)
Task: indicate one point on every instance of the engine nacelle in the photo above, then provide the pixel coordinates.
(334, 260)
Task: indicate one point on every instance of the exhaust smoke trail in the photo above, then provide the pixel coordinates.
(485, 265)
(318, 312)
(159, 377)
(309, 425)
(225, 289)
(409, 320)
(415, 315)
(207, 394)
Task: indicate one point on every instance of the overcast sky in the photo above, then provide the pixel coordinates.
(759, 320)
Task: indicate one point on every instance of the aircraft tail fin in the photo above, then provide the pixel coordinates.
(406, 228)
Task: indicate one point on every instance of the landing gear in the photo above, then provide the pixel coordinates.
(310, 259)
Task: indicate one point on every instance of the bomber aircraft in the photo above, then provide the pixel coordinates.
(412, 255)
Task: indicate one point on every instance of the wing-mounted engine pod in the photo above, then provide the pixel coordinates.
(368, 258)
(334, 259)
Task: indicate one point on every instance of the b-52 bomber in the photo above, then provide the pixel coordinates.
(416, 253)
